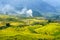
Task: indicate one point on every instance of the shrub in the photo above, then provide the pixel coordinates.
(8, 24)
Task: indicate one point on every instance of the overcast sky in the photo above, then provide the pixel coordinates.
(52, 2)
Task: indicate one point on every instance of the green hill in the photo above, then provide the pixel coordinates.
(28, 29)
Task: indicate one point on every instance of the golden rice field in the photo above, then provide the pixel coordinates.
(26, 29)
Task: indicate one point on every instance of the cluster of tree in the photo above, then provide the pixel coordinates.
(5, 26)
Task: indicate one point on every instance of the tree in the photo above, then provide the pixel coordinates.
(8, 24)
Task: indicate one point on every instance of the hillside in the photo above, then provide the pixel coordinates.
(17, 28)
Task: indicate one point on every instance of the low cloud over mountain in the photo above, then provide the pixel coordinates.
(27, 7)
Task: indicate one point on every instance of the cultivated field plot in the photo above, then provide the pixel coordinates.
(16, 28)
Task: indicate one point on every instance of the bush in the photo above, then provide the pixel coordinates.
(8, 24)
(5, 26)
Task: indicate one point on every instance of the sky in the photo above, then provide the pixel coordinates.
(53, 2)
(14, 2)
(11, 5)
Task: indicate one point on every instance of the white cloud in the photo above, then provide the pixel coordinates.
(29, 12)
(7, 8)
(25, 11)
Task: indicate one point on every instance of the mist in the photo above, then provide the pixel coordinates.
(9, 9)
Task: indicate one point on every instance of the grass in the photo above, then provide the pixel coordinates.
(49, 31)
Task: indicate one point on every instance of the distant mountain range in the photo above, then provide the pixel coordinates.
(37, 8)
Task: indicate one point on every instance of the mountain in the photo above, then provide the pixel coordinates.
(36, 5)
(16, 7)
